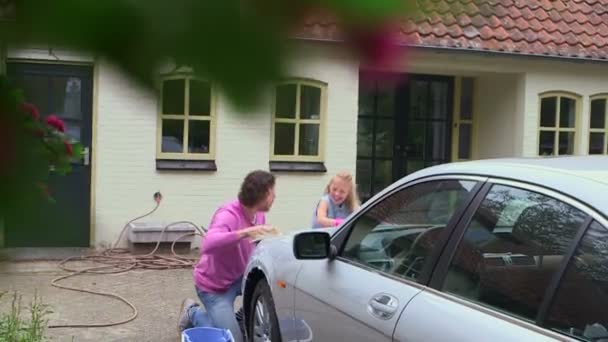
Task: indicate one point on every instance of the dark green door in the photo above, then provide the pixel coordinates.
(64, 91)
(404, 125)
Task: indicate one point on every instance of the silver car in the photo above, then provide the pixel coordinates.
(493, 250)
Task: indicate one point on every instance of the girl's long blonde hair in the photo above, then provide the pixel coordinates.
(352, 199)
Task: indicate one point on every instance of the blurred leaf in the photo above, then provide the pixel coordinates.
(366, 12)
(216, 38)
(239, 45)
(78, 150)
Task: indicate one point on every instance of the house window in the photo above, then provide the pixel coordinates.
(187, 120)
(297, 123)
(558, 124)
(598, 128)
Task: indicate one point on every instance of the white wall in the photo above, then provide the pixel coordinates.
(520, 117)
(125, 144)
(573, 78)
(496, 110)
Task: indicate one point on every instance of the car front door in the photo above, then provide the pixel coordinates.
(385, 254)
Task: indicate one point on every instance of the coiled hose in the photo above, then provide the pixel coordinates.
(118, 260)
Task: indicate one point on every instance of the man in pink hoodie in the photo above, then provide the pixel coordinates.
(224, 254)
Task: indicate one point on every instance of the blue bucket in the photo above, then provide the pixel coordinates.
(206, 335)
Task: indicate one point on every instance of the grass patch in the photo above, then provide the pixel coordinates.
(15, 327)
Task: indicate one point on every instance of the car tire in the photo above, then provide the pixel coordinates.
(268, 330)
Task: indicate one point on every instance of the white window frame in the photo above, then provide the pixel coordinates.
(577, 121)
(187, 77)
(599, 130)
(297, 121)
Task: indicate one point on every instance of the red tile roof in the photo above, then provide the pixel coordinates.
(559, 28)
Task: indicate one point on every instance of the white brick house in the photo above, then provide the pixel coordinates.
(128, 163)
(443, 103)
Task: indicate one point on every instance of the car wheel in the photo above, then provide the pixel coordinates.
(262, 323)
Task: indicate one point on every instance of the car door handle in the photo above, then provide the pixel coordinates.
(383, 306)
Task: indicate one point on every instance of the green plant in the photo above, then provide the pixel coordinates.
(15, 328)
(30, 148)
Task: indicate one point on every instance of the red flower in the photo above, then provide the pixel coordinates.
(31, 109)
(55, 122)
(68, 148)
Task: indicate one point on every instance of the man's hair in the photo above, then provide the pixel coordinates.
(255, 187)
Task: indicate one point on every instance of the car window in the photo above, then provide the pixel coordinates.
(511, 249)
(580, 307)
(397, 234)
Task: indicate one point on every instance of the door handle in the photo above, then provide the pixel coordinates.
(383, 306)
(86, 156)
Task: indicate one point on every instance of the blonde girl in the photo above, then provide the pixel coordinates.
(339, 200)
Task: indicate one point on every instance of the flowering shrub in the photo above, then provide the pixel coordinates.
(32, 148)
(61, 149)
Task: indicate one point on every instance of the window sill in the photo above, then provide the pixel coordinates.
(186, 165)
(285, 166)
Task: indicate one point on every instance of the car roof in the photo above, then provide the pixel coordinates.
(583, 177)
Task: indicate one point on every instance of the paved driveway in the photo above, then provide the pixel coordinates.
(156, 294)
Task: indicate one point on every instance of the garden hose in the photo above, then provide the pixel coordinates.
(118, 260)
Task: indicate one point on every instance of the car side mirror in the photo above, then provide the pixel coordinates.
(312, 246)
